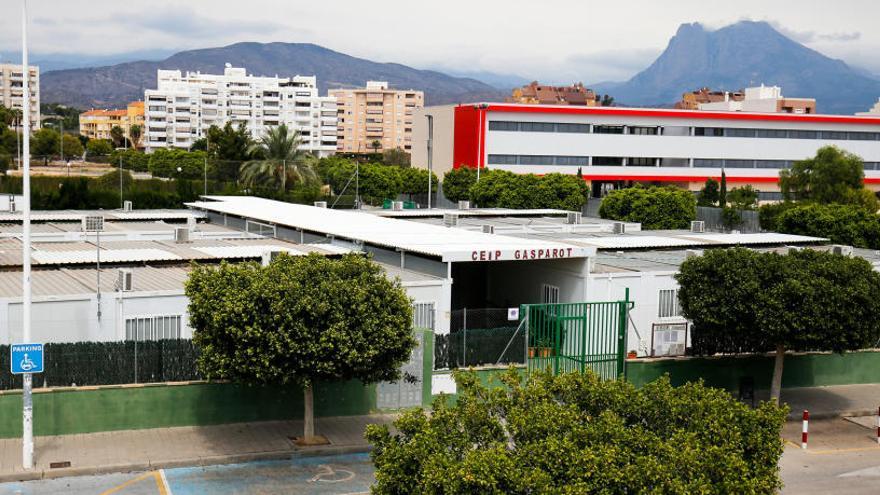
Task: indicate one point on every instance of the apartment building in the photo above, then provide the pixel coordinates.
(184, 105)
(875, 110)
(12, 89)
(535, 93)
(96, 124)
(375, 115)
(614, 147)
(693, 99)
(764, 99)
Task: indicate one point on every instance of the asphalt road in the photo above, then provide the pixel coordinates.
(344, 474)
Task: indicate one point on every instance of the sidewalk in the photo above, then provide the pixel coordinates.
(829, 402)
(141, 450)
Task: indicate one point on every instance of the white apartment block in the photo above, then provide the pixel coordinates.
(12, 90)
(183, 106)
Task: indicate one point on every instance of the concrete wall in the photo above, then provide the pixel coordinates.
(800, 370)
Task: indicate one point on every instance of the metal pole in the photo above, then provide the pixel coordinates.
(430, 154)
(464, 339)
(207, 148)
(98, 233)
(27, 439)
(61, 137)
(357, 185)
(18, 142)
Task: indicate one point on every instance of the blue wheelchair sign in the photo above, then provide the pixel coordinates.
(26, 358)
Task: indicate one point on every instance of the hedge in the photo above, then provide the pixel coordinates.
(653, 207)
(852, 225)
(109, 363)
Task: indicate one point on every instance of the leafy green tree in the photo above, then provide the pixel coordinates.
(72, 146)
(852, 225)
(117, 136)
(10, 141)
(5, 162)
(376, 145)
(57, 115)
(380, 182)
(607, 101)
(769, 213)
(135, 132)
(130, 159)
(415, 180)
(229, 143)
(45, 143)
(396, 156)
(576, 433)
(166, 162)
(278, 156)
(457, 183)
(743, 198)
(99, 147)
(110, 180)
(709, 193)
(743, 301)
(832, 176)
(654, 207)
(300, 320)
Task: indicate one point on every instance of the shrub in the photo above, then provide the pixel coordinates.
(457, 183)
(134, 160)
(98, 147)
(503, 189)
(768, 214)
(165, 162)
(576, 433)
(654, 207)
(842, 224)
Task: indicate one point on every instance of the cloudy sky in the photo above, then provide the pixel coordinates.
(552, 41)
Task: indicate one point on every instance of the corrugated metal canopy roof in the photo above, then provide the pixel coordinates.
(76, 215)
(449, 244)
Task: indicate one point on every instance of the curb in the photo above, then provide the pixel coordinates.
(213, 460)
(796, 416)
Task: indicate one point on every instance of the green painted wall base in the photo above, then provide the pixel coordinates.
(91, 409)
(800, 370)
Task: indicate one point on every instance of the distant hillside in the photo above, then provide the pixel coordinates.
(115, 85)
(743, 54)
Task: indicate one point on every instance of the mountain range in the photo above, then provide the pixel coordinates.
(115, 85)
(736, 56)
(745, 54)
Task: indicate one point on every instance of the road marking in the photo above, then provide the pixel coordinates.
(164, 488)
(128, 483)
(326, 470)
(871, 471)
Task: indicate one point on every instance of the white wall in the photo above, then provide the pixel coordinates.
(644, 291)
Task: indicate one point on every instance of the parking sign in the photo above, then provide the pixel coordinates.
(26, 358)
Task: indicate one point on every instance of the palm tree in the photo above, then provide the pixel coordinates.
(277, 156)
(134, 132)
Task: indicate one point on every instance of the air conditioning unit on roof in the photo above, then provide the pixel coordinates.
(619, 228)
(126, 205)
(397, 206)
(698, 226)
(488, 229)
(464, 205)
(842, 250)
(124, 280)
(450, 219)
(181, 235)
(269, 256)
(573, 217)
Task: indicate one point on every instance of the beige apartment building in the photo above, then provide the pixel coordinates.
(375, 115)
(12, 89)
(96, 124)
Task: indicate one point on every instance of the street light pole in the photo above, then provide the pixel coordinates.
(27, 438)
(430, 154)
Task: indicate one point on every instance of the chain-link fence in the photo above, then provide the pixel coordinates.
(478, 337)
(110, 363)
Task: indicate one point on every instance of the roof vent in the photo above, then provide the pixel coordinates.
(269, 256)
(488, 229)
(320, 204)
(698, 226)
(126, 205)
(11, 204)
(573, 217)
(181, 235)
(619, 228)
(842, 250)
(464, 205)
(397, 205)
(450, 219)
(191, 223)
(124, 280)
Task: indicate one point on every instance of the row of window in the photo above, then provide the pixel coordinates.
(617, 161)
(499, 125)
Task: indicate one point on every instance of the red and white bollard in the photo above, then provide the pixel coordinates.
(804, 430)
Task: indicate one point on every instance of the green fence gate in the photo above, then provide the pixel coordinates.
(566, 337)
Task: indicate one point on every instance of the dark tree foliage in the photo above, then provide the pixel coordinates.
(576, 433)
(503, 189)
(457, 183)
(851, 225)
(709, 193)
(832, 176)
(654, 207)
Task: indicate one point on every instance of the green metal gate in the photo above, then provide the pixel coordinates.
(567, 337)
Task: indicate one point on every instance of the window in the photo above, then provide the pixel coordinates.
(607, 161)
(423, 315)
(803, 134)
(144, 328)
(536, 127)
(607, 129)
(669, 304)
(641, 162)
(833, 135)
(862, 136)
(572, 160)
(502, 159)
(708, 163)
(500, 125)
(575, 128)
(535, 160)
(643, 131)
(772, 163)
(549, 294)
(735, 132)
(739, 163)
(771, 133)
(708, 131)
